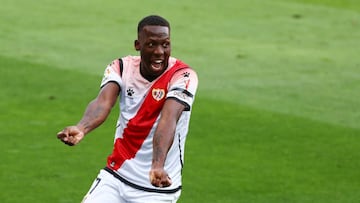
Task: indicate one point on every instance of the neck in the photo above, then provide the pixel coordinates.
(146, 75)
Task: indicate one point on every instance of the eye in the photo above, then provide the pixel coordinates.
(166, 45)
(150, 44)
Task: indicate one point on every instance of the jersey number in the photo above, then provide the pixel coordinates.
(96, 183)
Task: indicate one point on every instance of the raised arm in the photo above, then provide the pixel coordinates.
(95, 114)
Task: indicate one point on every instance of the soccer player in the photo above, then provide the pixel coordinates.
(156, 93)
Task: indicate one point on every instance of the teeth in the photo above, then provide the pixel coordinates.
(156, 64)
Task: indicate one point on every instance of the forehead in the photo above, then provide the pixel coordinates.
(155, 31)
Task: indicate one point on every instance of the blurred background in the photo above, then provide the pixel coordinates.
(276, 116)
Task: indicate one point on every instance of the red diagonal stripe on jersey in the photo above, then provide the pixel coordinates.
(138, 128)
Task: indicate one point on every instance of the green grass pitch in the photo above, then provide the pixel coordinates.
(276, 118)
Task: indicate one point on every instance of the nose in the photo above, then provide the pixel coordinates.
(159, 50)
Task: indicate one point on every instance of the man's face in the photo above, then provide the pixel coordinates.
(154, 45)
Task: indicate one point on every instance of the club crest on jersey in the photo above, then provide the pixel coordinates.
(158, 94)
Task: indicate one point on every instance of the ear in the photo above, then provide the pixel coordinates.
(137, 45)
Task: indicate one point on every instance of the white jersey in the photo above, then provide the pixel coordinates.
(140, 105)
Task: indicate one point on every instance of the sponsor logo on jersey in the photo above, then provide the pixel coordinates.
(158, 94)
(180, 95)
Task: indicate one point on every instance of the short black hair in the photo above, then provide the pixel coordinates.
(152, 20)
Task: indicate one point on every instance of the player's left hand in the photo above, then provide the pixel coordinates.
(159, 177)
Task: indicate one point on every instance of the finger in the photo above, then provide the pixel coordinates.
(167, 182)
(66, 139)
(155, 181)
(158, 182)
(67, 143)
(159, 179)
(75, 140)
(61, 134)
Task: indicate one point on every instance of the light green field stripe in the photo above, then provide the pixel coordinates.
(336, 4)
(283, 56)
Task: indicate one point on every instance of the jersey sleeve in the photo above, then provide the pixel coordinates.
(183, 86)
(112, 74)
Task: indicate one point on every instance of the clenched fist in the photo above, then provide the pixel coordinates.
(71, 135)
(159, 178)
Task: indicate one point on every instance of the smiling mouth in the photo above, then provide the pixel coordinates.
(157, 64)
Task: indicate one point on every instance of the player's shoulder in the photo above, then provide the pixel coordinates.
(186, 66)
(126, 59)
(118, 64)
(187, 70)
(185, 74)
(130, 58)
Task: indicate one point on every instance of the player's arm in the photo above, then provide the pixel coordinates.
(95, 114)
(162, 141)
